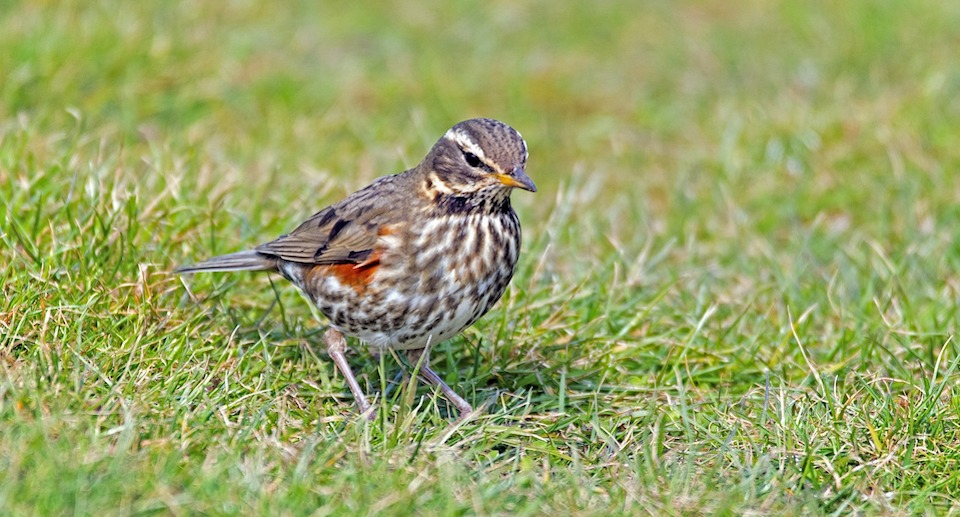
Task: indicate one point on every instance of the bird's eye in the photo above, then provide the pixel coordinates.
(472, 159)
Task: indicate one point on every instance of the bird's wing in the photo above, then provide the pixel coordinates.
(343, 233)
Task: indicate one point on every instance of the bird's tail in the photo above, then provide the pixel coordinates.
(239, 261)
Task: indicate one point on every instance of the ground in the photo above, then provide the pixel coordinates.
(738, 285)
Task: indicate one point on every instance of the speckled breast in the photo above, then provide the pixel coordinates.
(433, 280)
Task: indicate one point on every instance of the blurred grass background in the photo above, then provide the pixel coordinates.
(738, 291)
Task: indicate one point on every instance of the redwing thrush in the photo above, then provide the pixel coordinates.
(412, 259)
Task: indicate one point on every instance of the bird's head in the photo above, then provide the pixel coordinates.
(479, 155)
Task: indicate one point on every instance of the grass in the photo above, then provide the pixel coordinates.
(738, 289)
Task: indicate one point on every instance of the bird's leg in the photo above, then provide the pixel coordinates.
(336, 347)
(431, 377)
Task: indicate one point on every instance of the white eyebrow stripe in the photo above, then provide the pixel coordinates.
(465, 143)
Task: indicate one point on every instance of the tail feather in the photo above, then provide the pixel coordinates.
(239, 261)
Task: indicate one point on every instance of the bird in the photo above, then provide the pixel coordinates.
(412, 259)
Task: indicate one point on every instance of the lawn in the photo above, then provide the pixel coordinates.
(738, 289)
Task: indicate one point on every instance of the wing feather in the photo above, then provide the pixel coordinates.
(344, 233)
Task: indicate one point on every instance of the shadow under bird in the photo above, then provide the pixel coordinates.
(412, 259)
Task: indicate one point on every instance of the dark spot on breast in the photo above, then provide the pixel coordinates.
(503, 206)
(431, 283)
(479, 239)
(455, 204)
(430, 305)
(451, 302)
(498, 239)
(375, 298)
(336, 315)
(428, 262)
(420, 321)
(326, 309)
(377, 320)
(461, 231)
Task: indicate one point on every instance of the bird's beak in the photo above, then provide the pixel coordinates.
(517, 178)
